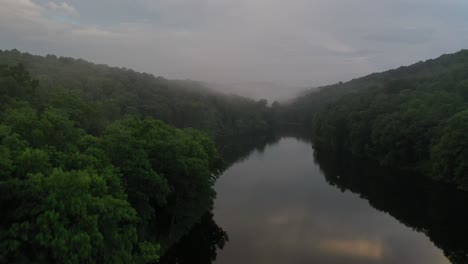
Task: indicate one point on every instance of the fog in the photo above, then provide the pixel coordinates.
(260, 90)
(261, 48)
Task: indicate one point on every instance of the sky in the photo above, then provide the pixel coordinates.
(275, 45)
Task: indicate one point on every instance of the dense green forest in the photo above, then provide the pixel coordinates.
(414, 117)
(71, 196)
(90, 174)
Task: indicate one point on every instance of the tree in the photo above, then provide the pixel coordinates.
(450, 152)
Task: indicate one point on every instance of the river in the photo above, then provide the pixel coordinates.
(277, 205)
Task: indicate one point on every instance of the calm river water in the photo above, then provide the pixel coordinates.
(277, 206)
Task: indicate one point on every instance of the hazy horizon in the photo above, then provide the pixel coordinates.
(247, 44)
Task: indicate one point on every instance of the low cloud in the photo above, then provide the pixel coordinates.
(405, 36)
(63, 8)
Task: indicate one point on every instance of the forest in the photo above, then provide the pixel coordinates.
(106, 165)
(414, 118)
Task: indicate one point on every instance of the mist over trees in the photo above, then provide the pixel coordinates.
(117, 92)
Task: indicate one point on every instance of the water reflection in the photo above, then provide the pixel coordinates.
(281, 202)
(277, 207)
(236, 149)
(200, 245)
(437, 210)
(353, 248)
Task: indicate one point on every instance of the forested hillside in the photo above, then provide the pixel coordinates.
(79, 186)
(413, 117)
(117, 92)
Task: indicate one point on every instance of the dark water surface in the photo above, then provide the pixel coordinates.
(280, 206)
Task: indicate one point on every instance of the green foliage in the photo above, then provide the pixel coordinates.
(412, 118)
(450, 152)
(168, 173)
(64, 217)
(15, 82)
(78, 186)
(117, 92)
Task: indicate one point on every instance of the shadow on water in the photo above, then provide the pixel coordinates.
(236, 149)
(200, 245)
(431, 208)
(437, 210)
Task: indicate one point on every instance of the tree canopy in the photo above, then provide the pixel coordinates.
(80, 187)
(117, 92)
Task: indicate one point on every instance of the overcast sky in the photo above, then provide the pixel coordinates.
(287, 42)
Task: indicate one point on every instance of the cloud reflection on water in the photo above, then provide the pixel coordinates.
(277, 207)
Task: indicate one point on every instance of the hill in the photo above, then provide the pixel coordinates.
(116, 92)
(414, 117)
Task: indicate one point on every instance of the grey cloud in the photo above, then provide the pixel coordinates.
(405, 36)
(63, 7)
